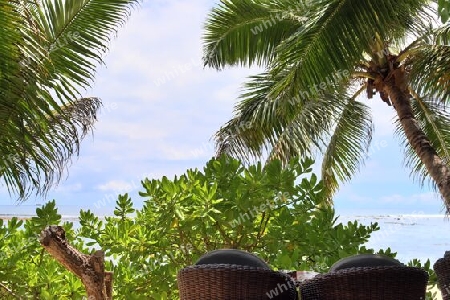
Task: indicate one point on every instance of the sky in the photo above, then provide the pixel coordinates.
(162, 107)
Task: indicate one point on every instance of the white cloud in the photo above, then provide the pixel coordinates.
(188, 152)
(382, 116)
(427, 197)
(157, 41)
(116, 186)
(347, 194)
(174, 120)
(69, 188)
(141, 130)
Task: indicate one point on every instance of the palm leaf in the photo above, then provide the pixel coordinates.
(77, 34)
(434, 120)
(247, 32)
(51, 60)
(279, 127)
(259, 120)
(34, 156)
(337, 35)
(245, 134)
(429, 63)
(348, 145)
(10, 20)
(307, 132)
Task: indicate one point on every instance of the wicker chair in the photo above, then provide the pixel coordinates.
(367, 283)
(234, 282)
(442, 269)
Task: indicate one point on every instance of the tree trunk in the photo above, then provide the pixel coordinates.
(394, 85)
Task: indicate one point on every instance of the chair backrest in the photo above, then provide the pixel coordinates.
(363, 261)
(367, 283)
(442, 269)
(234, 282)
(232, 257)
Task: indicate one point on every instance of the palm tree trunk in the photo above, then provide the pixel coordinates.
(436, 167)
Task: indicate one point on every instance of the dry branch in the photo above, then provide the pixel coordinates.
(89, 268)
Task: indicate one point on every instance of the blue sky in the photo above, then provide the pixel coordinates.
(161, 108)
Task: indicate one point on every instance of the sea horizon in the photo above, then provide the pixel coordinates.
(412, 235)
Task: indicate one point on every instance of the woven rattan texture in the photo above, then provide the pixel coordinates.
(442, 269)
(233, 282)
(370, 283)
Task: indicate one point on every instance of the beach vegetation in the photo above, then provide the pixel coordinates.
(275, 212)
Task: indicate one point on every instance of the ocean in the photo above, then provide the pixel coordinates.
(410, 235)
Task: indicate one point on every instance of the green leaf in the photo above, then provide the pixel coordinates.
(47, 62)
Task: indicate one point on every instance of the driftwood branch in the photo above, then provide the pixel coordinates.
(8, 291)
(89, 268)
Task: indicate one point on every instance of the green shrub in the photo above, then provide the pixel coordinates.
(277, 213)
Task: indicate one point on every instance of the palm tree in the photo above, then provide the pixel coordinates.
(49, 51)
(444, 10)
(319, 57)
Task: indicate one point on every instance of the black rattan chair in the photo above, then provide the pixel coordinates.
(234, 282)
(367, 283)
(234, 275)
(442, 269)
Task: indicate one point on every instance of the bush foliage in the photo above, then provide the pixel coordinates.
(276, 212)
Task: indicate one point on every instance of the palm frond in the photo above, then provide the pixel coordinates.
(246, 133)
(347, 148)
(49, 56)
(34, 157)
(336, 36)
(246, 32)
(429, 63)
(10, 20)
(307, 133)
(434, 120)
(77, 35)
(279, 127)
